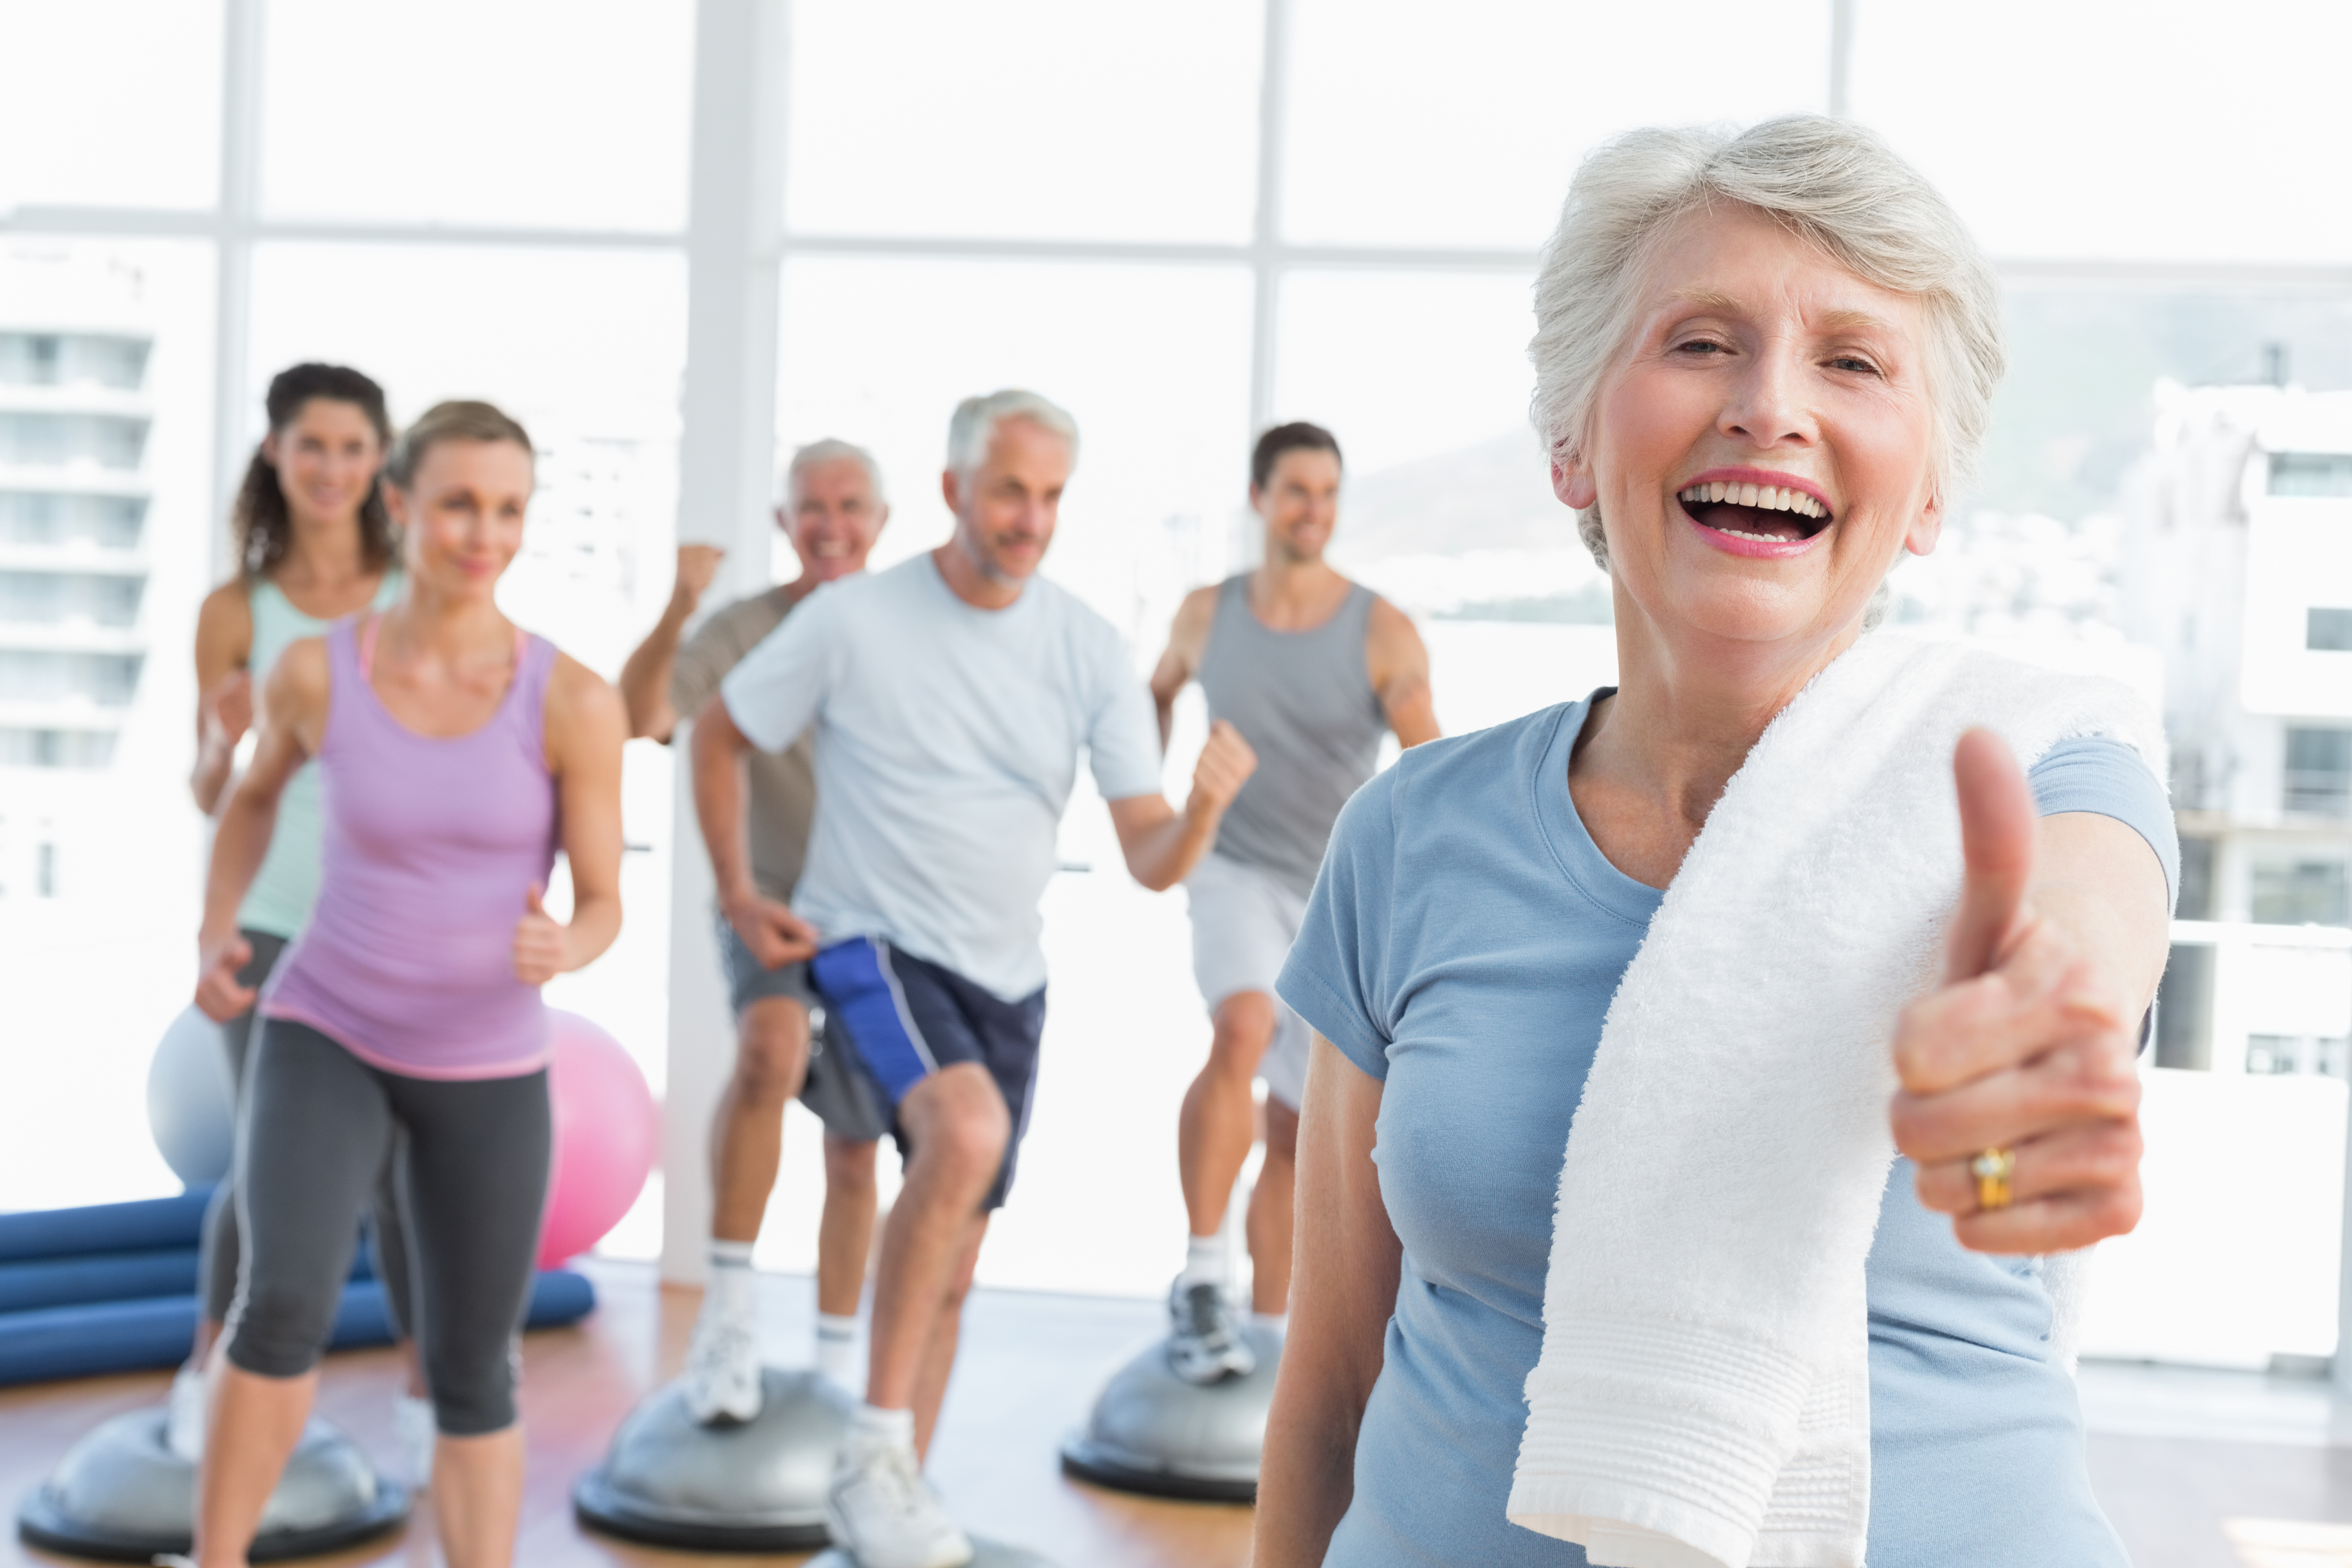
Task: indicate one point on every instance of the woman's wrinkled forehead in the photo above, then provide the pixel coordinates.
(1744, 264)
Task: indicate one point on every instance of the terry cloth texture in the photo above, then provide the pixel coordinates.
(1702, 1398)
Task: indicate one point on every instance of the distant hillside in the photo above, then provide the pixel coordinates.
(1495, 494)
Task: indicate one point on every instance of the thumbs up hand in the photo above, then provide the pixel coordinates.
(541, 944)
(2026, 1048)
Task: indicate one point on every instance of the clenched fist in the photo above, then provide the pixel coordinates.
(775, 935)
(541, 943)
(697, 567)
(219, 996)
(1225, 764)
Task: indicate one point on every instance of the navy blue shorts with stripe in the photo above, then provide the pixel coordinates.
(907, 1017)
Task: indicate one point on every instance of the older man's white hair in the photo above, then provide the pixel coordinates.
(829, 450)
(977, 418)
(1828, 180)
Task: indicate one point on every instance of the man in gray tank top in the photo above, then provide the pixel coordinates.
(1313, 670)
(833, 510)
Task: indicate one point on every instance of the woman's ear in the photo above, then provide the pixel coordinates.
(1573, 484)
(269, 448)
(396, 501)
(1926, 529)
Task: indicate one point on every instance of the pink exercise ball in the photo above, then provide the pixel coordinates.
(607, 1134)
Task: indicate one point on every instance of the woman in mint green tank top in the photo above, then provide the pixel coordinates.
(314, 544)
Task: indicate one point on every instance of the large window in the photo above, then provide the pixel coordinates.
(1184, 223)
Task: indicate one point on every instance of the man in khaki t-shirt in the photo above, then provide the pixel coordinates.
(833, 510)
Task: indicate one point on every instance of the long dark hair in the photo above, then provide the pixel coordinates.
(263, 526)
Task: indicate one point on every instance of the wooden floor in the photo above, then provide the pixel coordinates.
(1031, 1365)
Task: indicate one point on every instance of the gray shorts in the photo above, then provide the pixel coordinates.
(834, 1088)
(1244, 921)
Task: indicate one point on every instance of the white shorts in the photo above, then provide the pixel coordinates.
(1243, 922)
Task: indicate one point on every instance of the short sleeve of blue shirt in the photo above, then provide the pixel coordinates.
(2107, 778)
(1337, 958)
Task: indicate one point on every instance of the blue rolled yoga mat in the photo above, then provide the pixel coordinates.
(104, 1228)
(133, 1336)
(112, 1288)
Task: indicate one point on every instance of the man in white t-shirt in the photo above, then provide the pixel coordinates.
(949, 697)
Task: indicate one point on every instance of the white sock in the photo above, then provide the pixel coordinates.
(836, 1350)
(872, 1430)
(1205, 1263)
(730, 1293)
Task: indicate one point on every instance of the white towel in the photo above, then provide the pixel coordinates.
(1703, 1396)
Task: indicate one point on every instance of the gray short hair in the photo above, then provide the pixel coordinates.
(1830, 181)
(976, 419)
(829, 450)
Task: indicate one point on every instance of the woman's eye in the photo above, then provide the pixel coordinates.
(1704, 346)
(1851, 362)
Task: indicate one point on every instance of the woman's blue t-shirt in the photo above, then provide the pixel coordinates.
(1463, 944)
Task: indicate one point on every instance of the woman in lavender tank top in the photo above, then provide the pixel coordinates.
(456, 754)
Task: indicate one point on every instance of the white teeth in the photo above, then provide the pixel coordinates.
(1764, 498)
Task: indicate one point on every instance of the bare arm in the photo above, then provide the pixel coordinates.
(224, 689)
(1343, 1290)
(295, 707)
(1162, 845)
(1186, 636)
(585, 729)
(1397, 662)
(644, 679)
(2032, 1042)
(774, 934)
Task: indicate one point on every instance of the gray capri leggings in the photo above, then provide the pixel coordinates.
(473, 1160)
(217, 1248)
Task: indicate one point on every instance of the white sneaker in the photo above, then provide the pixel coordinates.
(882, 1513)
(184, 1416)
(413, 1422)
(722, 1372)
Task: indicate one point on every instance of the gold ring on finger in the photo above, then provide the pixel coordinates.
(1992, 1169)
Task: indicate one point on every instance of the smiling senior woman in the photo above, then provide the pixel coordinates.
(1700, 931)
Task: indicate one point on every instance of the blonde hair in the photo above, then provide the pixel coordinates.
(1829, 181)
(459, 420)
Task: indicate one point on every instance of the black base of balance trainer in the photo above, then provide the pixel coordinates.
(756, 1485)
(985, 1554)
(122, 1495)
(1154, 1433)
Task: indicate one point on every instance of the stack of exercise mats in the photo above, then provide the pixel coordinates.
(113, 1288)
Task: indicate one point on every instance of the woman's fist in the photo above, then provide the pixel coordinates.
(218, 962)
(540, 945)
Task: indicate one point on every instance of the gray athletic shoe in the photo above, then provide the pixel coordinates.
(1204, 1344)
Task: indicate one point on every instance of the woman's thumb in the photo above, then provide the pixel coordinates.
(530, 900)
(1997, 825)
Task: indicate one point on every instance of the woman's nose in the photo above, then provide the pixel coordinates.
(1766, 407)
